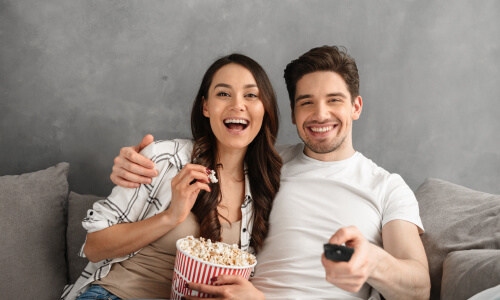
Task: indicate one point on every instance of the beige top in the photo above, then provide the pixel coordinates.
(148, 274)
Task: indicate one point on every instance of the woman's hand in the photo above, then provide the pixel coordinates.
(185, 189)
(231, 287)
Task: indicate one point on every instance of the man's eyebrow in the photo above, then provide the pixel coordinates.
(300, 97)
(306, 96)
(337, 95)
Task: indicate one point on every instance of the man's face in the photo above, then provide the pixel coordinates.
(324, 113)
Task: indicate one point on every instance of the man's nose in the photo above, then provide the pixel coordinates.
(321, 112)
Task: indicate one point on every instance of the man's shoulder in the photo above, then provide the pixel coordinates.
(378, 173)
(288, 151)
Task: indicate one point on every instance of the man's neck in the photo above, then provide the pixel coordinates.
(336, 155)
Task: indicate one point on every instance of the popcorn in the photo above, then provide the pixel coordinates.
(216, 253)
(212, 177)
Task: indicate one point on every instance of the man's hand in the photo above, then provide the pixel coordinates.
(351, 275)
(231, 287)
(131, 168)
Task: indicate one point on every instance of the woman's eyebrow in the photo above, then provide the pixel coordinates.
(251, 85)
(222, 85)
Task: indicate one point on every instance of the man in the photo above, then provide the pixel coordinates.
(329, 193)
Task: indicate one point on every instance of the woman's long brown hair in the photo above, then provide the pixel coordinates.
(262, 161)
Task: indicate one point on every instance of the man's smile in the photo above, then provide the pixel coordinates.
(321, 129)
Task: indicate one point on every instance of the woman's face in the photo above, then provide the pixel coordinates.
(234, 107)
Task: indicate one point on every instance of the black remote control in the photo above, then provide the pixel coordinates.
(338, 252)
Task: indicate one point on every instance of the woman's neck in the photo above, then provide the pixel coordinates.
(232, 161)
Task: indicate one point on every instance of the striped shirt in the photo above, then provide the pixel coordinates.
(131, 205)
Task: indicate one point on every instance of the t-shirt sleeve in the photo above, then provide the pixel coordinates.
(400, 203)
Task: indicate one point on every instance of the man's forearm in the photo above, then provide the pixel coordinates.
(400, 278)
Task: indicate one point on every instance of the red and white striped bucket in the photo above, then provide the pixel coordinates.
(191, 269)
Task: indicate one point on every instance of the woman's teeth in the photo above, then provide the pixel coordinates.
(236, 124)
(236, 121)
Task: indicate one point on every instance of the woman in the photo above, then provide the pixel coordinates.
(132, 234)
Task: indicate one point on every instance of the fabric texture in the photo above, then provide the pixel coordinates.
(315, 199)
(75, 233)
(468, 272)
(32, 235)
(456, 218)
(96, 292)
(489, 294)
(131, 205)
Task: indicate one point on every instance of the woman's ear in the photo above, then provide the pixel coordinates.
(205, 108)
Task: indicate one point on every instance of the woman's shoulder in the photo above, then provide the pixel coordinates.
(162, 150)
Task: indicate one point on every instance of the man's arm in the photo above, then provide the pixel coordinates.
(398, 271)
(131, 168)
(403, 270)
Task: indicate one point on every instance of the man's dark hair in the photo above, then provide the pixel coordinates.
(326, 58)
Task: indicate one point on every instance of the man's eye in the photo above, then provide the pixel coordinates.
(303, 103)
(222, 94)
(334, 100)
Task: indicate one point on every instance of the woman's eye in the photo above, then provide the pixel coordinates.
(252, 95)
(303, 103)
(222, 94)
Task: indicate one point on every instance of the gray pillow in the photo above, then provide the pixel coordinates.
(455, 218)
(75, 235)
(32, 235)
(468, 272)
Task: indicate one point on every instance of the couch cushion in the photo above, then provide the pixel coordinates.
(32, 238)
(75, 235)
(468, 272)
(455, 218)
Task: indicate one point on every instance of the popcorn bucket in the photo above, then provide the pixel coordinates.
(191, 269)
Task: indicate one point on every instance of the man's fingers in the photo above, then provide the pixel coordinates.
(146, 140)
(132, 177)
(123, 183)
(129, 156)
(344, 235)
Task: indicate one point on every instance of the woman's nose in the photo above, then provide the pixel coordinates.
(238, 103)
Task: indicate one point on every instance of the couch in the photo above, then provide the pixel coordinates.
(41, 235)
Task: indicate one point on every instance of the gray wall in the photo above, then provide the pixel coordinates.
(81, 79)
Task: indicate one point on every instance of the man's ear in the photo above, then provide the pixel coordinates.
(293, 115)
(205, 108)
(357, 107)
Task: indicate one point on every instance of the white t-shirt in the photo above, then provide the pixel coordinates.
(317, 198)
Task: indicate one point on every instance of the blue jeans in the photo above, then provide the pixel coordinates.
(97, 292)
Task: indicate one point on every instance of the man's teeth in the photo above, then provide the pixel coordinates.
(236, 121)
(321, 129)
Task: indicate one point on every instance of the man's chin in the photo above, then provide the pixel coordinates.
(323, 147)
